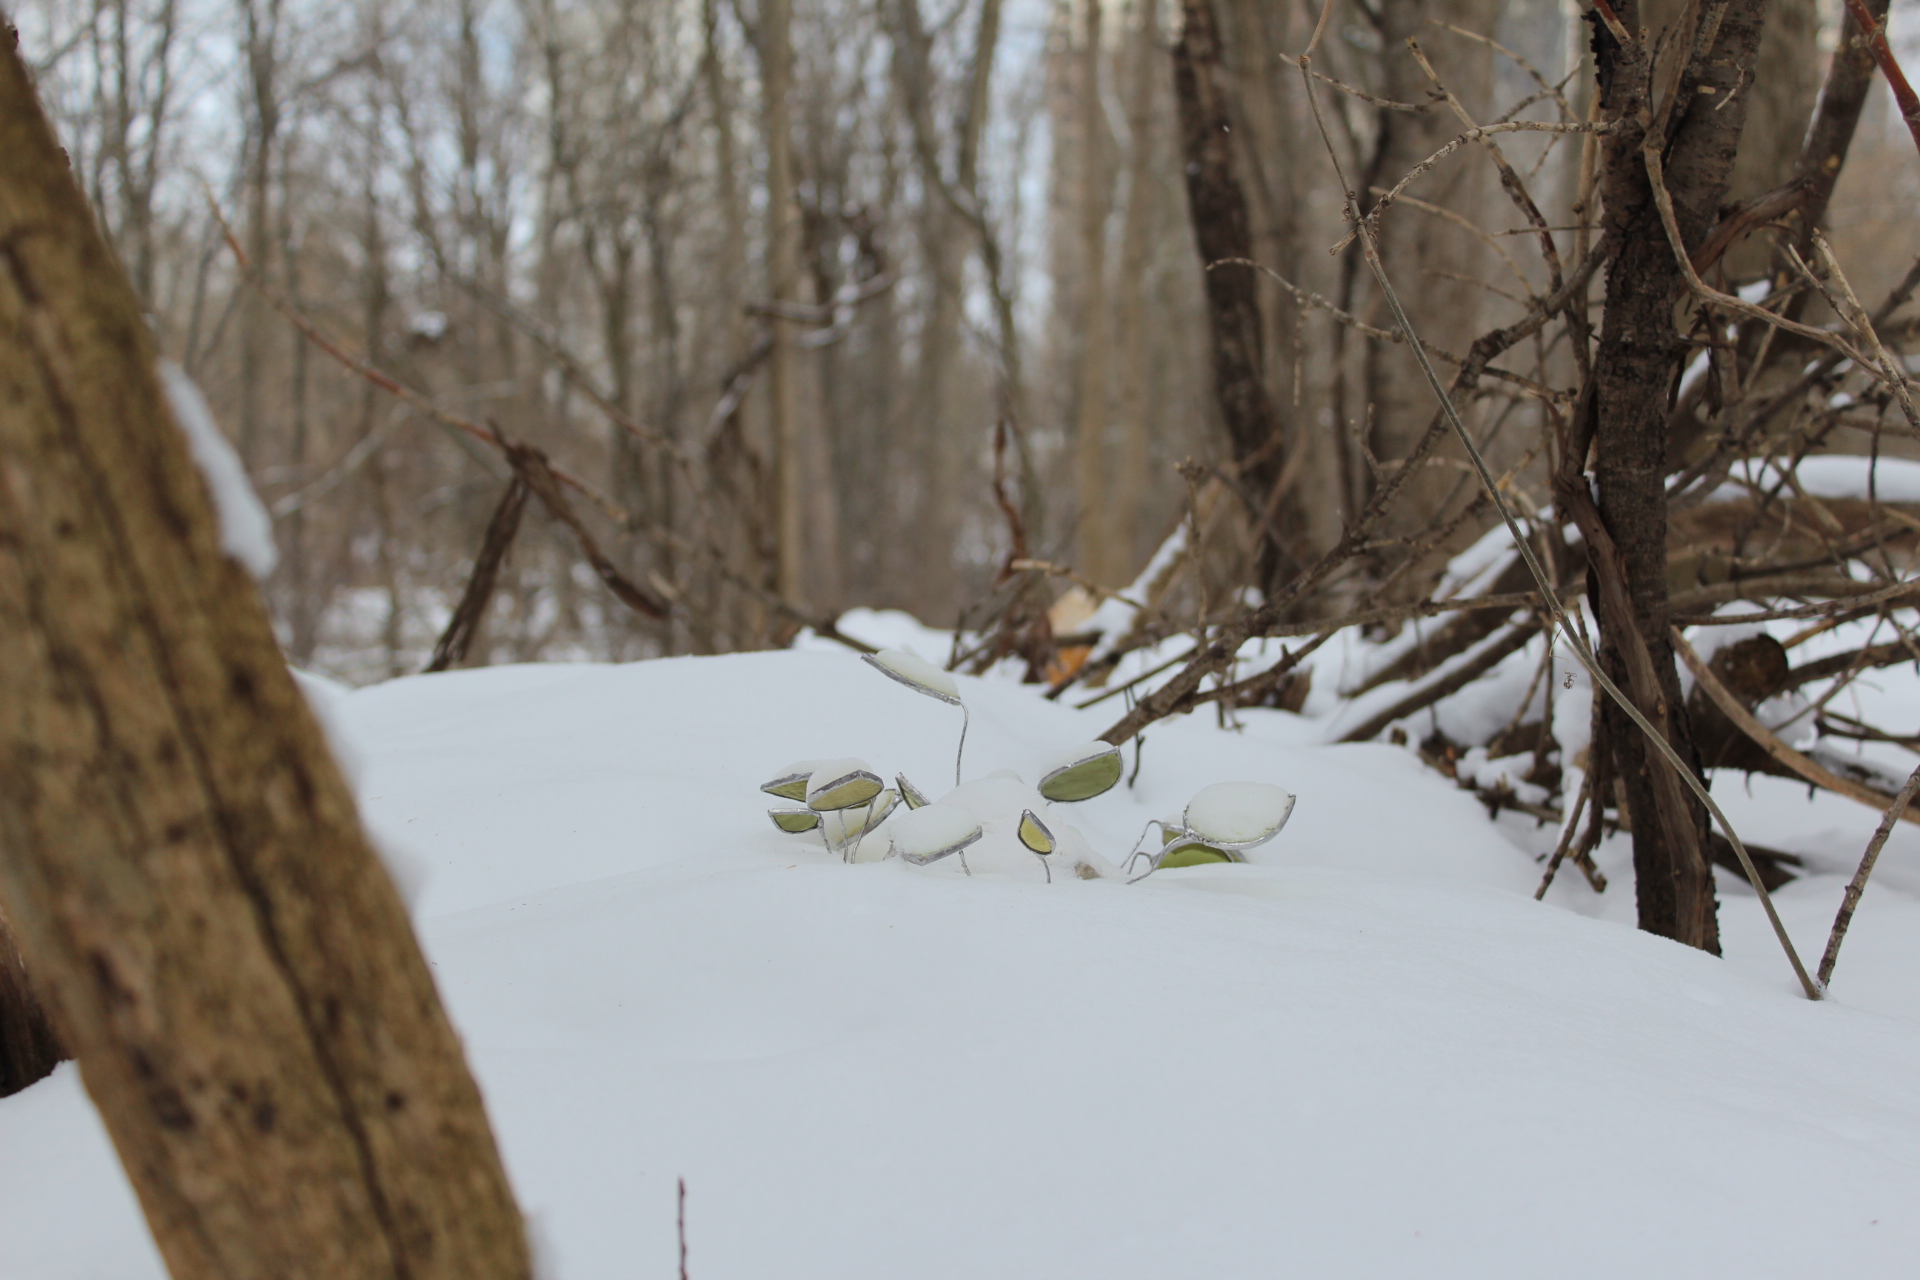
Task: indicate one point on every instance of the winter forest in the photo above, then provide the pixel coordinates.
(1453, 465)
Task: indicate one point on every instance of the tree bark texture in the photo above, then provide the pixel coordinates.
(180, 858)
(1785, 81)
(1217, 204)
(1635, 370)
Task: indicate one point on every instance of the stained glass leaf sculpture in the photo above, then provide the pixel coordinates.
(842, 784)
(1237, 816)
(933, 832)
(923, 677)
(1081, 774)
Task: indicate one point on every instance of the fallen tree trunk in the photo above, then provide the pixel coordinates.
(180, 858)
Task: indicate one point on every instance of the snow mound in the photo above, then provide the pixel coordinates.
(1367, 1054)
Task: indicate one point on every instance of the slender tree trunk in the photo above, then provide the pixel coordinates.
(669, 386)
(1635, 370)
(1092, 199)
(1131, 343)
(1433, 262)
(783, 284)
(1780, 98)
(263, 91)
(1218, 207)
(182, 861)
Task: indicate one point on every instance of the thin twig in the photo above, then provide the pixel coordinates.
(1890, 68)
(1087, 585)
(1858, 885)
(1372, 217)
(1449, 683)
(1567, 837)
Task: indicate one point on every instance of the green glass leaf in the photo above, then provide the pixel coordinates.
(1082, 774)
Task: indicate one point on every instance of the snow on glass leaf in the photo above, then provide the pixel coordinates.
(1238, 815)
(923, 677)
(932, 833)
(916, 673)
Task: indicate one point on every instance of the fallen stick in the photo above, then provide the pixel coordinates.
(1571, 833)
(465, 623)
(1459, 678)
(1769, 741)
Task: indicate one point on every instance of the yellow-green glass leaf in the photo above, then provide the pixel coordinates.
(844, 792)
(915, 798)
(792, 786)
(1033, 833)
(794, 821)
(1193, 854)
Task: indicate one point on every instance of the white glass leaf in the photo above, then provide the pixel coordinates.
(1238, 815)
(932, 833)
(1082, 773)
(916, 673)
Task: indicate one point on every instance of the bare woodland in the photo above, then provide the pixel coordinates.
(618, 329)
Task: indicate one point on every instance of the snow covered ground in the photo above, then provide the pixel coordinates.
(1371, 1054)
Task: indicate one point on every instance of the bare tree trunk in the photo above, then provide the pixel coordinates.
(1434, 262)
(783, 283)
(1780, 98)
(945, 439)
(214, 936)
(1635, 368)
(1092, 198)
(1218, 207)
(1129, 490)
(263, 94)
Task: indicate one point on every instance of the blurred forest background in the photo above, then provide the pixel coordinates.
(836, 302)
